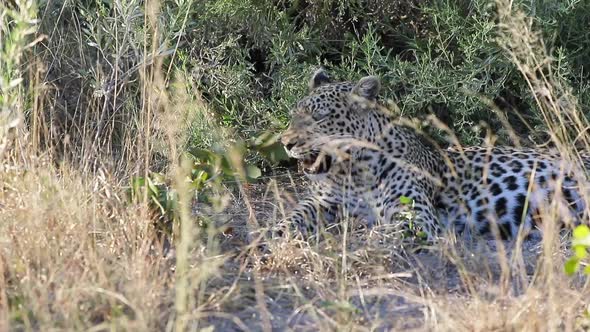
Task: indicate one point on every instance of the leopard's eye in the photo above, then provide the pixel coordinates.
(321, 113)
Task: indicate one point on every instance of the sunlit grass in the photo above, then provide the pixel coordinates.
(77, 253)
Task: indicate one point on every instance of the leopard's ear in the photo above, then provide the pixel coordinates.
(367, 87)
(319, 78)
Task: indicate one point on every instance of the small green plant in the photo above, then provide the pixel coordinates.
(158, 193)
(211, 171)
(411, 229)
(580, 246)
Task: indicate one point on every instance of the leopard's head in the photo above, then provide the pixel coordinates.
(331, 118)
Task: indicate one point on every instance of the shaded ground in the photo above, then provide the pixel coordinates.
(368, 279)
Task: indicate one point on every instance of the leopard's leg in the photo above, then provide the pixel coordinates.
(310, 215)
(420, 207)
(426, 216)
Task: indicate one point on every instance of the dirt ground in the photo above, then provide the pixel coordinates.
(367, 279)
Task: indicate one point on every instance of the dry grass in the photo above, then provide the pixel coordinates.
(76, 254)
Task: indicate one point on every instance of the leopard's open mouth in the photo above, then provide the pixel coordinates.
(316, 163)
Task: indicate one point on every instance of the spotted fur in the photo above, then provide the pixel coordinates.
(362, 161)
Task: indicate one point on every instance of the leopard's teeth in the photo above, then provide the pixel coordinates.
(311, 169)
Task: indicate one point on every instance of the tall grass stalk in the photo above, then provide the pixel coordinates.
(17, 35)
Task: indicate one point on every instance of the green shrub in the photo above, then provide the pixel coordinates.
(249, 60)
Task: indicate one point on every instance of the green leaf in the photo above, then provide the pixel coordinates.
(422, 235)
(137, 183)
(268, 145)
(253, 172)
(571, 266)
(154, 190)
(158, 178)
(158, 204)
(199, 178)
(171, 201)
(405, 200)
(580, 252)
(264, 139)
(274, 152)
(226, 167)
(587, 270)
(581, 232)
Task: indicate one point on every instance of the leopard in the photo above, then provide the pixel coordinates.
(362, 161)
